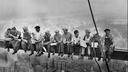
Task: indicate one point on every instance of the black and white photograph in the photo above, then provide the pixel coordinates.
(63, 36)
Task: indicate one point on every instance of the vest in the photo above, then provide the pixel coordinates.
(108, 41)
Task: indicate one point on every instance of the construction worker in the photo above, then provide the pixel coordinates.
(108, 43)
(8, 39)
(76, 42)
(37, 41)
(85, 43)
(47, 42)
(16, 39)
(96, 43)
(26, 39)
(59, 44)
(67, 41)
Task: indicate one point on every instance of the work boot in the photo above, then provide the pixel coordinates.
(8, 49)
(109, 59)
(48, 55)
(25, 51)
(31, 53)
(14, 52)
(58, 54)
(91, 58)
(82, 57)
(72, 57)
(53, 53)
(68, 55)
(62, 54)
(40, 54)
(104, 59)
(99, 58)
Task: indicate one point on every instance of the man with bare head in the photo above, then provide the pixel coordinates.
(86, 43)
(76, 42)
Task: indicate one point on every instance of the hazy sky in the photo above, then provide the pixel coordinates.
(26, 8)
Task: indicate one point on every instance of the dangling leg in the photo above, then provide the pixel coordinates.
(29, 45)
(104, 53)
(82, 53)
(41, 53)
(32, 47)
(79, 52)
(75, 50)
(61, 46)
(54, 49)
(99, 57)
(58, 49)
(37, 49)
(24, 46)
(49, 49)
(41, 50)
(7, 45)
(71, 50)
(109, 54)
(68, 50)
(89, 52)
(16, 46)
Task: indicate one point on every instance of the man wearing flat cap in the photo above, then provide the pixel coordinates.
(67, 41)
(58, 40)
(37, 41)
(107, 30)
(26, 39)
(108, 43)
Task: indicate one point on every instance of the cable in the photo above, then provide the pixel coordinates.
(96, 60)
(96, 31)
(92, 16)
(98, 34)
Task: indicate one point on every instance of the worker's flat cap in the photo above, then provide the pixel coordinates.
(107, 30)
(37, 27)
